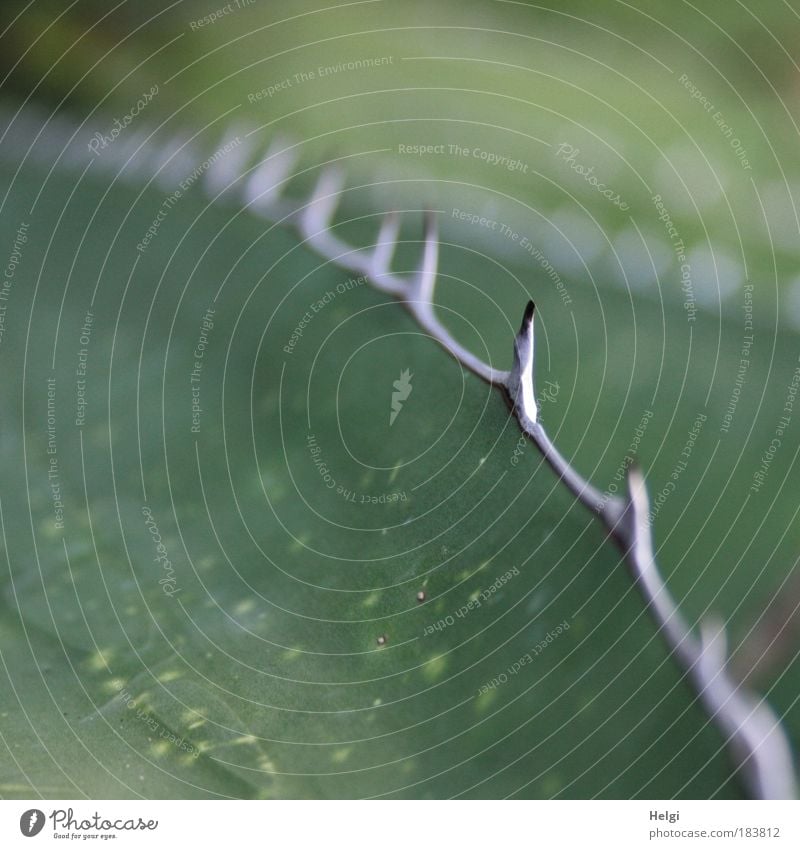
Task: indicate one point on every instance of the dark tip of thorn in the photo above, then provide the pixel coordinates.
(527, 318)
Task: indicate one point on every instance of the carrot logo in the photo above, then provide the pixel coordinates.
(31, 822)
(403, 389)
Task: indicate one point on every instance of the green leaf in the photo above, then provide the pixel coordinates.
(277, 648)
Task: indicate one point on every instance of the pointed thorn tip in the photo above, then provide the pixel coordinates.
(527, 318)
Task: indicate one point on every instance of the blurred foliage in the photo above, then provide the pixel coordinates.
(507, 78)
(266, 664)
(266, 660)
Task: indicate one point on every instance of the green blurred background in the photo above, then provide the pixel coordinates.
(269, 665)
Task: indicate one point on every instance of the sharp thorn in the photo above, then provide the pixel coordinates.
(521, 378)
(527, 318)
